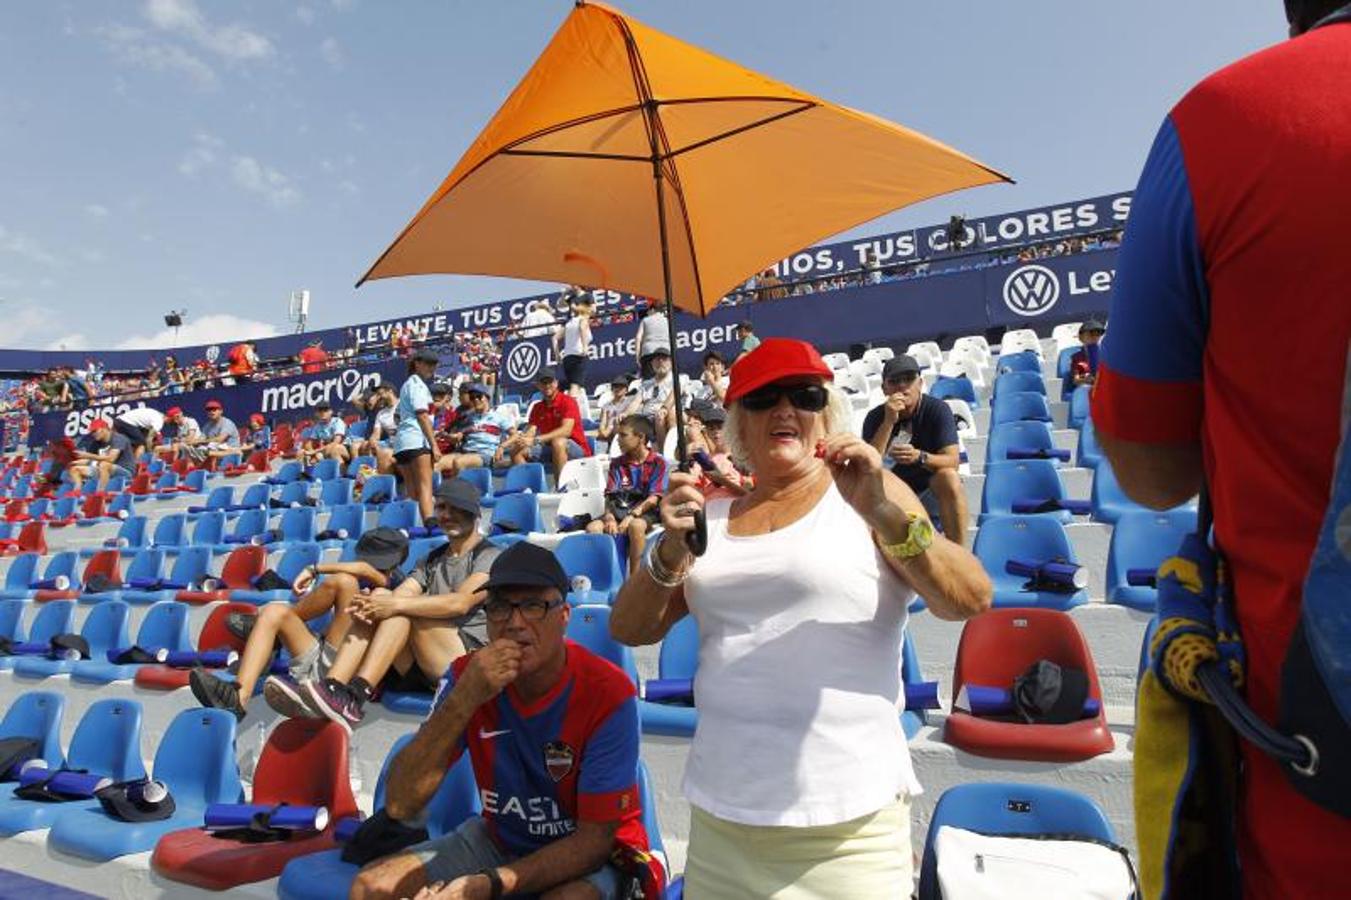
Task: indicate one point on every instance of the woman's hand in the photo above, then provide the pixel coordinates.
(856, 467)
(682, 500)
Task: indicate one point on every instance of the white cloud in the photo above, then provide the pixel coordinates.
(96, 211)
(202, 155)
(69, 342)
(332, 53)
(305, 15)
(234, 42)
(23, 246)
(135, 47)
(182, 19)
(257, 178)
(211, 329)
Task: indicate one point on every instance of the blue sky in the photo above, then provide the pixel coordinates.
(166, 154)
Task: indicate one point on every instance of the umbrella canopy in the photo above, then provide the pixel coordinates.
(563, 183)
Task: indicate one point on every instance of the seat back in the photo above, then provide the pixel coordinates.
(1009, 809)
(192, 565)
(1080, 402)
(679, 653)
(196, 758)
(220, 497)
(299, 524)
(132, 530)
(11, 619)
(1108, 499)
(524, 477)
(585, 474)
(304, 763)
(22, 572)
(336, 492)
(165, 625)
(582, 502)
(195, 481)
(95, 506)
(1001, 538)
(107, 563)
(295, 492)
(250, 524)
(480, 478)
(55, 617)
(521, 510)
(242, 566)
(1088, 453)
(401, 515)
(325, 469)
(589, 626)
(964, 417)
(61, 564)
(1019, 382)
(378, 489)
(1143, 540)
(592, 555)
(210, 529)
(37, 715)
(105, 628)
(255, 495)
(454, 801)
(287, 473)
(1023, 406)
(33, 538)
(297, 557)
(1019, 480)
(169, 531)
(1020, 340)
(1022, 361)
(1033, 435)
(998, 646)
(147, 564)
(954, 388)
(108, 740)
(357, 462)
(63, 509)
(214, 635)
(349, 517)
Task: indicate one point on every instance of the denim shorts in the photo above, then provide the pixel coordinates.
(541, 452)
(469, 850)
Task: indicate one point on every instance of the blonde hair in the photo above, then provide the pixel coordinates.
(839, 418)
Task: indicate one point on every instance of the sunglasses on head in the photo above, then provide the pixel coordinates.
(806, 397)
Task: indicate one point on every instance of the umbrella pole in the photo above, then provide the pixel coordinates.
(697, 540)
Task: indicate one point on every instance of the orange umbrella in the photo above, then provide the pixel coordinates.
(630, 160)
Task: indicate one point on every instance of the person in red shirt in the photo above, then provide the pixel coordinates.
(555, 427)
(313, 358)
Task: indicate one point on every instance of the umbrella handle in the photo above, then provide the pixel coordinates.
(697, 539)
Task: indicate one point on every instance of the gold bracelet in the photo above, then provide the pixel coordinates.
(658, 571)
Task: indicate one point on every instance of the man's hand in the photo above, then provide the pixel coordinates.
(895, 407)
(466, 887)
(490, 670)
(623, 526)
(303, 581)
(374, 608)
(905, 454)
(611, 527)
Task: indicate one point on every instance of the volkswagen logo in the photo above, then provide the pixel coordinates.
(1031, 290)
(523, 362)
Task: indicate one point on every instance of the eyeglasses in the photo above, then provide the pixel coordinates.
(806, 397)
(534, 610)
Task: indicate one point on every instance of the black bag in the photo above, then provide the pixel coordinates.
(14, 752)
(97, 584)
(1048, 694)
(380, 836)
(65, 646)
(134, 656)
(271, 581)
(138, 800)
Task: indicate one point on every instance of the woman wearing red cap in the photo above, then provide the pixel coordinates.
(799, 777)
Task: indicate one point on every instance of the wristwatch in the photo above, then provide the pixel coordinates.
(918, 538)
(923, 458)
(495, 880)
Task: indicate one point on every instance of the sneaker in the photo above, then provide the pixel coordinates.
(289, 698)
(240, 624)
(335, 702)
(215, 693)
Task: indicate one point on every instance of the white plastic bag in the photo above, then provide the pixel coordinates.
(975, 866)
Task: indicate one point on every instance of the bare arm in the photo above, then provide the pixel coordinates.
(561, 861)
(950, 457)
(417, 771)
(468, 595)
(1159, 476)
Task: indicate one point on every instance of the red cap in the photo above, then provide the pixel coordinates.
(774, 360)
(213, 404)
(99, 424)
(174, 411)
(257, 419)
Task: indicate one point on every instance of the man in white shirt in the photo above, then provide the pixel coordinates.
(620, 403)
(180, 430)
(538, 321)
(141, 426)
(712, 384)
(657, 395)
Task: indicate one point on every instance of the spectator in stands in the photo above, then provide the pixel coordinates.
(142, 426)
(917, 434)
(572, 344)
(622, 402)
(180, 430)
(872, 268)
(382, 423)
(554, 432)
(219, 436)
(379, 554)
(415, 449)
(327, 436)
(442, 412)
(818, 563)
(55, 392)
(546, 830)
(260, 435)
(745, 332)
(1235, 262)
(654, 337)
(656, 395)
(634, 488)
(404, 639)
(771, 286)
(539, 320)
(480, 438)
(707, 434)
(313, 358)
(712, 384)
(243, 360)
(1090, 333)
(105, 453)
(77, 386)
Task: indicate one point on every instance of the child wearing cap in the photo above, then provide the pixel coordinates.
(379, 554)
(325, 439)
(622, 402)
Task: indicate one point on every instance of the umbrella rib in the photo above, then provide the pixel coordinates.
(740, 129)
(570, 154)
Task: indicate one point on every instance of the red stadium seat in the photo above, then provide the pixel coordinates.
(32, 539)
(303, 764)
(997, 647)
(16, 511)
(257, 462)
(214, 636)
(107, 563)
(140, 485)
(242, 566)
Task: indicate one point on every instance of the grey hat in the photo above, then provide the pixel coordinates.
(460, 494)
(1092, 324)
(897, 366)
(426, 356)
(383, 548)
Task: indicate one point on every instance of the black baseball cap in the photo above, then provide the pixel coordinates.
(383, 548)
(712, 414)
(440, 389)
(621, 380)
(322, 404)
(661, 351)
(894, 368)
(460, 494)
(1092, 325)
(545, 375)
(527, 565)
(474, 387)
(425, 355)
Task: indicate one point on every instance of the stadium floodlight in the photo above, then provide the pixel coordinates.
(957, 232)
(174, 319)
(298, 310)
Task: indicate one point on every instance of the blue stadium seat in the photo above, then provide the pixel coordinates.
(1024, 361)
(358, 430)
(379, 489)
(1019, 481)
(53, 617)
(61, 565)
(400, 515)
(165, 625)
(104, 628)
(170, 531)
(1110, 502)
(524, 477)
(221, 498)
(349, 517)
(1079, 407)
(325, 470)
(11, 619)
(195, 760)
(320, 876)
(959, 388)
(1019, 435)
(37, 715)
(194, 482)
(1143, 540)
(293, 494)
(418, 548)
(1024, 406)
(520, 511)
(1009, 809)
(190, 567)
(1019, 382)
(589, 626)
(911, 673)
(250, 524)
(255, 497)
(19, 577)
(297, 526)
(209, 530)
(106, 742)
(336, 492)
(295, 558)
(595, 557)
(1063, 361)
(166, 486)
(147, 565)
(677, 658)
(131, 531)
(286, 473)
(483, 480)
(64, 508)
(1088, 454)
(357, 462)
(1001, 538)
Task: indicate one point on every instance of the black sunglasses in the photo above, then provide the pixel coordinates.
(806, 397)
(533, 610)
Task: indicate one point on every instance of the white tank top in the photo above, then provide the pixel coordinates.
(799, 683)
(572, 338)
